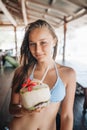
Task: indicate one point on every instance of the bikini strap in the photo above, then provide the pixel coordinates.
(56, 69)
(44, 75)
(47, 71)
(32, 73)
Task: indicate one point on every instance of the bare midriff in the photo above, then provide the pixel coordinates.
(43, 120)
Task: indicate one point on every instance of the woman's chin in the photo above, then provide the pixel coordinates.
(41, 59)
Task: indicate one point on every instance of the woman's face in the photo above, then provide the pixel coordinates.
(41, 44)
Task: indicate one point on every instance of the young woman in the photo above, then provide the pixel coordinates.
(38, 53)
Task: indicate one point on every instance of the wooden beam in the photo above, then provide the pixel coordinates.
(81, 3)
(57, 21)
(45, 6)
(51, 2)
(3, 25)
(24, 12)
(16, 6)
(7, 13)
(14, 9)
(60, 9)
(56, 18)
(77, 16)
(35, 18)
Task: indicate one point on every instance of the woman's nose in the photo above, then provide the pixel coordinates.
(38, 48)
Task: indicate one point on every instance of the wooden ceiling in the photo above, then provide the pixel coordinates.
(56, 12)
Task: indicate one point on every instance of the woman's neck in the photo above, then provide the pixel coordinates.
(44, 65)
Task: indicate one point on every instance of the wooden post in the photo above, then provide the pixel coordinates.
(15, 42)
(64, 45)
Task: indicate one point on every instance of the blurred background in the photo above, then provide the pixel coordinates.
(69, 19)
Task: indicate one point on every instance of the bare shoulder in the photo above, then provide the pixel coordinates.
(66, 73)
(65, 69)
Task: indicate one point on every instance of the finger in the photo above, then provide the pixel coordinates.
(39, 109)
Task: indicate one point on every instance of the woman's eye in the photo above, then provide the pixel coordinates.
(43, 42)
(31, 44)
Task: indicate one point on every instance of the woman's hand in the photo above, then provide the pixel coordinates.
(37, 110)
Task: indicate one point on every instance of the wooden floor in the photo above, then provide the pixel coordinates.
(80, 119)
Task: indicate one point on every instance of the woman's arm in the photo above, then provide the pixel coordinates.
(68, 102)
(15, 107)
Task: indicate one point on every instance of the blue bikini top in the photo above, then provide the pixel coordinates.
(58, 90)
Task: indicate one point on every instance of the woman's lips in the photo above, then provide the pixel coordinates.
(39, 56)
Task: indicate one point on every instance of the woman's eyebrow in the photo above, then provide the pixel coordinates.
(39, 40)
(44, 38)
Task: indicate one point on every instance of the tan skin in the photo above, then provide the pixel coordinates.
(45, 118)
